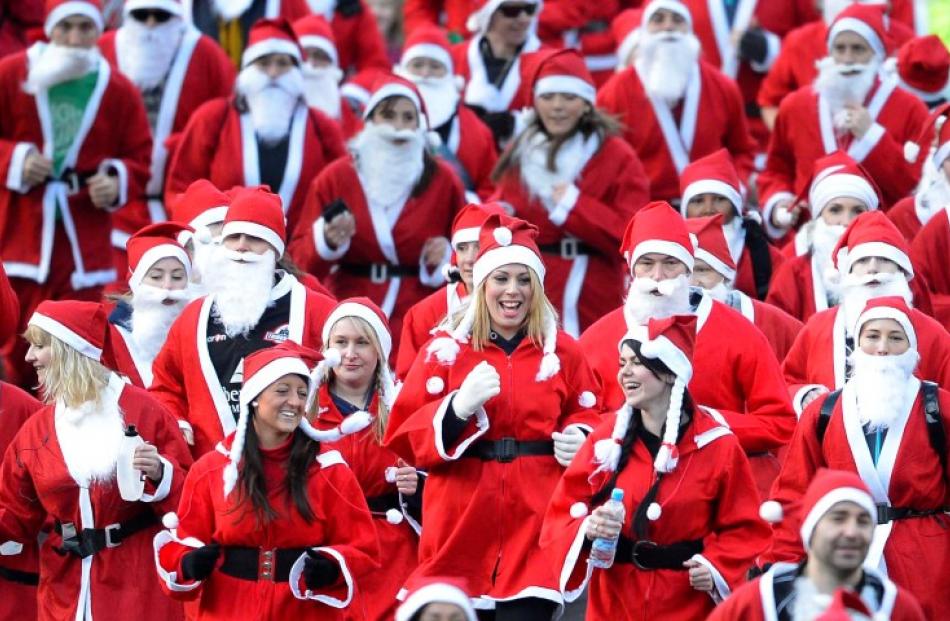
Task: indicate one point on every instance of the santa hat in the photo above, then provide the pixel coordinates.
(313, 31)
(923, 67)
(359, 86)
(503, 240)
(270, 36)
(394, 86)
(428, 41)
(171, 6)
(480, 18)
(81, 325)
(867, 21)
(559, 71)
(466, 226)
(937, 123)
(837, 176)
(844, 606)
(58, 10)
(669, 340)
(659, 228)
(432, 591)
(153, 243)
(199, 206)
(872, 234)
(711, 174)
(711, 244)
(888, 307)
(626, 29)
(670, 5)
(828, 488)
(257, 212)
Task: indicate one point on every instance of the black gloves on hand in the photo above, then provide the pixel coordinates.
(753, 46)
(199, 563)
(319, 571)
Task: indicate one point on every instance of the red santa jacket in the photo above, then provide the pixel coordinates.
(184, 377)
(9, 308)
(586, 27)
(27, 240)
(908, 474)
(584, 284)
(36, 486)
(341, 532)
(483, 518)
(473, 146)
(712, 118)
(779, 327)
(929, 255)
(126, 360)
(469, 64)
(709, 496)
(745, 273)
(456, 12)
(219, 144)
(905, 217)
(422, 318)
(359, 42)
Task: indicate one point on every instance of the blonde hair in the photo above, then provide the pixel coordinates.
(70, 377)
(535, 320)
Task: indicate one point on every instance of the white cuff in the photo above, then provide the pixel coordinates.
(10, 548)
(562, 210)
(170, 578)
(774, 46)
(862, 147)
(481, 421)
(721, 590)
(570, 562)
(773, 231)
(164, 486)
(296, 573)
(435, 278)
(15, 170)
(320, 242)
(802, 392)
(118, 166)
(185, 425)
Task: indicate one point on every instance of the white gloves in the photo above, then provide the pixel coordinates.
(481, 384)
(566, 444)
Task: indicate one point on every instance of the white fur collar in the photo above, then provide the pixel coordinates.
(90, 436)
(571, 159)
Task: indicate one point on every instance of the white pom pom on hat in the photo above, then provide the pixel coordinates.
(390, 474)
(394, 516)
(170, 520)
(579, 510)
(771, 511)
(203, 235)
(587, 399)
(502, 235)
(654, 511)
(911, 151)
(332, 358)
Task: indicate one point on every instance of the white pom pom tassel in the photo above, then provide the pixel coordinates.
(203, 235)
(911, 151)
(332, 357)
(771, 511)
(654, 511)
(783, 217)
(579, 510)
(502, 235)
(586, 399)
(390, 474)
(170, 520)
(550, 363)
(667, 457)
(355, 422)
(394, 516)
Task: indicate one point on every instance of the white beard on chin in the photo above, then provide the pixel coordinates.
(241, 283)
(229, 9)
(145, 54)
(90, 437)
(840, 89)
(54, 64)
(388, 171)
(856, 291)
(933, 198)
(441, 97)
(824, 238)
(880, 385)
(271, 102)
(641, 303)
(151, 319)
(720, 292)
(321, 89)
(664, 62)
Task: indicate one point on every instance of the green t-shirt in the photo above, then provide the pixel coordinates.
(67, 104)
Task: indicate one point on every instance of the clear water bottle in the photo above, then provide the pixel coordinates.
(131, 481)
(603, 550)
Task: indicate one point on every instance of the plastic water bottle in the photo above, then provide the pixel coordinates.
(131, 481)
(603, 550)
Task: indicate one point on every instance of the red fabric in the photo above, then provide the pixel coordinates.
(745, 276)
(359, 42)
(9, 309)
(563, 20)
(477, 152)
(779, 327)
(20, 18)
(904, 216)
(929, 254)
(122, 361)
(418, 322)
(416, 12)
(924, 64)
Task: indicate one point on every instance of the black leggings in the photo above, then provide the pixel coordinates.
(526, 609)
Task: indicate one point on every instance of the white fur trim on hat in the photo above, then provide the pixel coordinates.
(627, 46)
(155, 254)
(859, 27)
(352, 309)
(214, 215)
(66, 335)
(394, 89)
(502, 235)
(270, 46)
(586, 399)
(663, 349)
(465, 236)
(661, 246)
(270, 373)
(829, 500)
(670, 5)
(430, 51)
(711, 186)
(771, 511)
(831, 185)
(716, 263)
(876, 249)
(607, 451)
(941, 154)
(435, 385)
(172, 6)
(505, 255)
(565, 84)
(321, 43)
(68, 9)
(435, 593)
(354, 423)
(254, 229)
(884, 312)
(578, 510)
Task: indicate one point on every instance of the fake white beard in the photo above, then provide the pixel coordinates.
(271, 102)
(856, 291)
(388, 171)
(241, 283)
(933, 198)
(841, 90)
(151, 319)
(321, 88)
(664, 62)
(642, 305)
(201, 255)
(735, 237)
(569, 162)
(229, 9)
(55, 64)
(145, 54)
(824, 238)
(809, 603)
(440, 95)
(879, 386)
(720, 292)
(322, 7)
(90, 437)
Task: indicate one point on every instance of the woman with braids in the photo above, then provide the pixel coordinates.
(570, 174)
(691, 528)
(493, 412)
(269, 527)
(354, 403)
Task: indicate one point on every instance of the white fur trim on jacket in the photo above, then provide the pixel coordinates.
(296, 575)
(481, 423)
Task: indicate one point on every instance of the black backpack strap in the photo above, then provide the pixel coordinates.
(758, 245)
(824, 414)
(935, 430)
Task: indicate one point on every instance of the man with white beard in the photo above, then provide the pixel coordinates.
(265, 134)
(65, 167)
(891, 428)
(676, 107)
(848, 108)
(872, 260)
(735, 371)
(912, 213)
(175, 69)
(202, 207)
(252, 305)
(464, 141)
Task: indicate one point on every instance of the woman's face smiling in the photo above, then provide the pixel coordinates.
(509, 296)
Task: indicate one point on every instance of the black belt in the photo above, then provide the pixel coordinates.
(648, 555)
(379, 272)
(74, 180)
(507, 450)
(568, 248)
(259, 564)
(90, 541)
(383, 503)
(21, 577)
(887, 513)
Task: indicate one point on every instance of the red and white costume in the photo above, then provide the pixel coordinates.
(358, 40)
(926, 251)
(584, 27)
(430, 12)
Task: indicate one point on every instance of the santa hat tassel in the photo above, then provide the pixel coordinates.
(607, 451)
(237, 449)
(668, 456)
(550, 363)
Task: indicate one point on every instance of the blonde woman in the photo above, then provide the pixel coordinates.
(61, 467)
(493, 414)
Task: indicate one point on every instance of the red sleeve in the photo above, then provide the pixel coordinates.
(168, 381)
(21, 512)
(779, 173)
(928, 251)
(195, 148)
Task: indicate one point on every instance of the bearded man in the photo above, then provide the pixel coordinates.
(675, 107)
(252, 305)
(265, 134)
(65, 166)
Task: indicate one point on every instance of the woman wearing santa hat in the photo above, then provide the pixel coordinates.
(354, 404)
(439, 599)
(62, 468)
(270, 526)
(691, 528)
(493, 412)
(376, 222)
(570, 174)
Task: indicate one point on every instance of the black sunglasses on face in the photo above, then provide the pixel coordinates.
(512, 11)
(142, 15)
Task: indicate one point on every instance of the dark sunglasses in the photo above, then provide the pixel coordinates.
(512, 11)
(142, 15)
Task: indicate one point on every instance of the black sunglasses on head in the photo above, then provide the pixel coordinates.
(142, 15)
(512, 11)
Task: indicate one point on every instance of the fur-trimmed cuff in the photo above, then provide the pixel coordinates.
(300, 590)
(802, 392)
(721, 589)
(185, 425)
(773, 231)
(562, 210)
(481, 422)
(773, 47)
(164, 486)
(320, 242)
(574, 556)
(15, 170)
(117, 166)
(170, 578)
(861, 148)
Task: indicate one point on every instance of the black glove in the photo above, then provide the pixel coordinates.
(334, 209)
(199, 563)
(754, 46)
(319, 571)
(349, 8)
